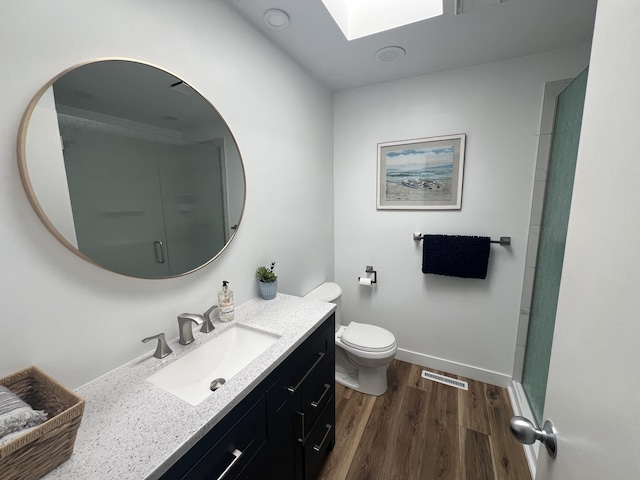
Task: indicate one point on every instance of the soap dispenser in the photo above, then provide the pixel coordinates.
(225, 303)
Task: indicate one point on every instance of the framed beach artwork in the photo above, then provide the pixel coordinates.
(421, 174)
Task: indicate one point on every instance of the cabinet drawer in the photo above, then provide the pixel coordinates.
(317, 394)
(302, 367)
(320, 441)
(229, 455)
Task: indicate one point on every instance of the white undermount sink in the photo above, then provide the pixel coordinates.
(190, 377)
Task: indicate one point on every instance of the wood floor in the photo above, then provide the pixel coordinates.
(422, 429)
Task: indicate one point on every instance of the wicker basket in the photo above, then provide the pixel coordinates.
(44, 448)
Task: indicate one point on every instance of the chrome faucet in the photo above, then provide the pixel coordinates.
(184, 324)
(162, 350)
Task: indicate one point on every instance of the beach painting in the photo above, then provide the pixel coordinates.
(421, 174)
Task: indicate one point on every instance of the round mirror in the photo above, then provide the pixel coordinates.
(132, 169)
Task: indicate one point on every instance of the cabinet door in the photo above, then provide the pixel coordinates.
(279, 459)
(233, 452)
(320, 441)
(315, 395)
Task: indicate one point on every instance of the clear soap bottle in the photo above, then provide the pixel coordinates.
(225, 303)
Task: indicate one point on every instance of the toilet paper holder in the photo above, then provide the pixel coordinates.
(369, 269)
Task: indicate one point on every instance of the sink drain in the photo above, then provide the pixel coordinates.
(216, 384)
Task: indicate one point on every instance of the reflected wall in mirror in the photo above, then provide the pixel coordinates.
(131, 168)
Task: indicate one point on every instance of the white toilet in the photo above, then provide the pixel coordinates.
(363, 351)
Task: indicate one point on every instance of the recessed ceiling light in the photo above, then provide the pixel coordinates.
(390, 54)
(276, 18)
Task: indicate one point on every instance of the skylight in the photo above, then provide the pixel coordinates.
(359, 18)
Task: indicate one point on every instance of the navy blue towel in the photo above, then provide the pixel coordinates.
(456, 256)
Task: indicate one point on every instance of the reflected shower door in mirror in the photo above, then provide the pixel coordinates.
(132, 169)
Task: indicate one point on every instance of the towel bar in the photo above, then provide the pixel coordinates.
(504, 241)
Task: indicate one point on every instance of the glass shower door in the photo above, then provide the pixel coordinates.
(144, 204)
(553, 235)
(114, 187)
(192, 189)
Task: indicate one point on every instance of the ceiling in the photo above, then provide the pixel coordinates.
(493, 33)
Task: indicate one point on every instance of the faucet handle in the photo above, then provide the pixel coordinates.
(207, 326)
(162, 350)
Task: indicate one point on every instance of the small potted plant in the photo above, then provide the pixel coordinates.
(268, 281)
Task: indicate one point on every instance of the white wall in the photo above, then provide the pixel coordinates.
(77, 321)
(464, 326)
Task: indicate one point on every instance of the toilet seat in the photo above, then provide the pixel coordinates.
(368, 338)
(363, 352)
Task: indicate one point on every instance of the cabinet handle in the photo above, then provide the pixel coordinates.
(237, 454)
(292, 388)
(319, 401)
(317, 448)
(301, 439)
(159, 249)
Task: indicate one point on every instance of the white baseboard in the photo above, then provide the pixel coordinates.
(474, 373)
(521, 407)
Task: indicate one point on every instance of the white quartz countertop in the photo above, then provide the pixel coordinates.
(132, 429)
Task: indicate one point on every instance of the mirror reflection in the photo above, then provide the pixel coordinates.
(132, 169)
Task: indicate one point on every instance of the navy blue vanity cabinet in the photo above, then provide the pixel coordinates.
(282, 430)
(304, 389)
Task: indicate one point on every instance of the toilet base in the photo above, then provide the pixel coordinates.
(371, 381)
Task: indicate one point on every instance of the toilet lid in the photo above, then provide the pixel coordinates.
(368, 338)
(327, 292)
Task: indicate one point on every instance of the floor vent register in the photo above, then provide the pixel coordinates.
(445, 380)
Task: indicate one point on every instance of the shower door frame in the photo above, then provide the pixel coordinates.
(518, 396)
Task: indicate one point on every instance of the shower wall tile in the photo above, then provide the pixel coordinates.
(551, 92)
(544, 151)
(527, 287)
(532, 246)
(523, 327)
(538, 202)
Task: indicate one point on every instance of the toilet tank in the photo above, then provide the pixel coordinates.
(329, 292)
